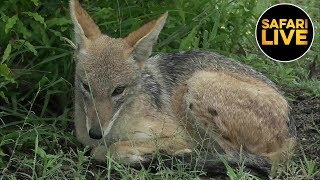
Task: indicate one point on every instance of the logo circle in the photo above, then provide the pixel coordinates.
(284, 32)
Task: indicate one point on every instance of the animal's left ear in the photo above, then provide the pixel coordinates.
(143, 39)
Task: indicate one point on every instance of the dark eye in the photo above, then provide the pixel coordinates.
(86, 87)
(119, 90)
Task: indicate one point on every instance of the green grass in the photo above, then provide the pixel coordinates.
(36, 79)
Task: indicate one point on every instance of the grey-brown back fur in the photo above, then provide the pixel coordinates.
(163, 72)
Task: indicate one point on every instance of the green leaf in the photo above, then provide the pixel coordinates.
(6, 53)
(2, 95)
(28, 45)
(31, 48)
(41, 153)
(36, 17)
(5, 72)
(189, 41)
(56, 33)
(10, 23)
(22, 29)
(35, 2)
(44, 80)
(58, 22)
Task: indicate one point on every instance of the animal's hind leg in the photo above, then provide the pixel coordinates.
(205, 110)
(238, 111)
(202, 114)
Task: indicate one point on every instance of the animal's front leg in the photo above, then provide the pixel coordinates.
(99, 153)
(125, 152)
(132, 152)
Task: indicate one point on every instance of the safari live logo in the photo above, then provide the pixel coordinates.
(284, 32)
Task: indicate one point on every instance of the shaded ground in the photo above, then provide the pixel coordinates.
(306, 114)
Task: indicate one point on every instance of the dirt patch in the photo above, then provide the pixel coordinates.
(306, 114)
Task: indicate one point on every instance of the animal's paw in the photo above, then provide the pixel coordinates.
(122, 154)
(99, 153)
(128, 154)
(182, 152)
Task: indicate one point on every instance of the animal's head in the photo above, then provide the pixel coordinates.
(107, 69)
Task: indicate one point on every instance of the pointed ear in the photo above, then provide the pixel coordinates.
(84, 27)
(143, 39)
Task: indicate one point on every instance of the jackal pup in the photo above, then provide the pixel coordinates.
(133, 104)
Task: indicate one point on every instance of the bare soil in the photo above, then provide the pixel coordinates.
(306, 115)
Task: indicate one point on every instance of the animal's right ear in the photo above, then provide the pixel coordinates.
(84, 27)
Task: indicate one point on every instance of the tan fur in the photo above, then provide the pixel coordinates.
(90, 29)
(256, 121)
(137, 135)
(235, 109)
(134, 37)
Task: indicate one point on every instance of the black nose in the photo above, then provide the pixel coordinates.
(95, 133)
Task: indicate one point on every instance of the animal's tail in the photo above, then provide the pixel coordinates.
(214, 164)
